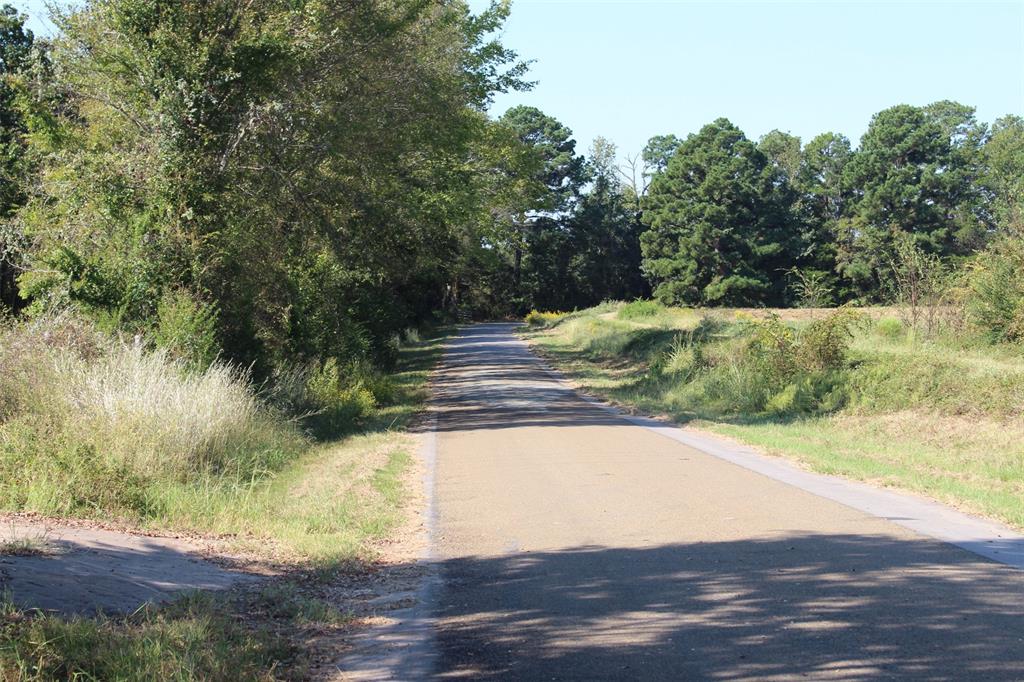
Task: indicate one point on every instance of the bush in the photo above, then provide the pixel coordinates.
(340, 400)
(639, 309)
(187, 329)
(823, 344)
(995, 291)
(889, 328)
(921, 286)
(535, 318)
(774, 368)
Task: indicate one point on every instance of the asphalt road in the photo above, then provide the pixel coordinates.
(574, 545)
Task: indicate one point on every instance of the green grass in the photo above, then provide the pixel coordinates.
(94, 429)
(974, 464)
(322, 511)
(942, 417)
(198, 637)
(639, 310)
(325, 508)
(331, 504)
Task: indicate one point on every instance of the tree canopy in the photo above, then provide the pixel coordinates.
(300, 182)
(717, 222)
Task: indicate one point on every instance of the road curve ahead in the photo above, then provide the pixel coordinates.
(574, 545)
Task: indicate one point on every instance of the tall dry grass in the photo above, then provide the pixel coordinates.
(79, 409)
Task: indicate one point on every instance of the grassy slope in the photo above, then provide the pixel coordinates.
(323, 511)
(323, 505)
(329, 505)
(939, 419)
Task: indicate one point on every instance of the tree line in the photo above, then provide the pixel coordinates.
(277, 182)
(730, 218)
(720, 219)
(268, 181)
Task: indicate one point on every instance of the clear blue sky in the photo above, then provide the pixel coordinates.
(629, 70)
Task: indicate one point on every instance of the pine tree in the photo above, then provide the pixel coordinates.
(718, 223)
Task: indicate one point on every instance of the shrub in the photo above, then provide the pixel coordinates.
(921, 285)
(187, 329)
(995, 291)
(340, 400)
(639, 309)
(536, 318)
(823, 344)
(889, 328)
(772, 367)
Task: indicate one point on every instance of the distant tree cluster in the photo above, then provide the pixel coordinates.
(719, 219)
(578, 243)
(733, 222)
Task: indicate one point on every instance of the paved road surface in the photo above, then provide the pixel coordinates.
(574, 545)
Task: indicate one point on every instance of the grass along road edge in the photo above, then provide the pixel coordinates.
(330, 522)
(970, 461)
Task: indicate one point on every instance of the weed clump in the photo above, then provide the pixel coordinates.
(535, 318)
(639, 309)
(995, 291)
(340, 400)
(774, 368)
(890, 328)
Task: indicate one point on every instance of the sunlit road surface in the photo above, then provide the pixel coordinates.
(574, 545)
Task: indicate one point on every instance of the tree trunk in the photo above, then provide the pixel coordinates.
(9, 297)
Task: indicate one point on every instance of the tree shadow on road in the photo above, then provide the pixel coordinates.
(814, 606)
